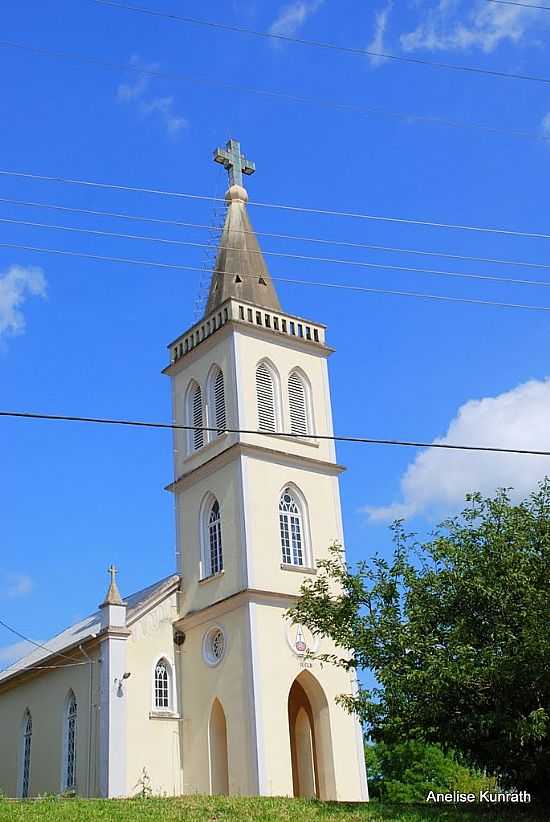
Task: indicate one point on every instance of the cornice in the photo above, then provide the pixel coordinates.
(248, 449)
(232, 603)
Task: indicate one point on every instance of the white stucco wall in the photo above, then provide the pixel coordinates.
(45, 695)
(152, 743)
(230, 683)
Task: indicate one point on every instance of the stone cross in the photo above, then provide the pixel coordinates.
(113, 571)
(235, 163)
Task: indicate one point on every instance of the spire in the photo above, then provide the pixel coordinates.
(240, 270)
(112, 596)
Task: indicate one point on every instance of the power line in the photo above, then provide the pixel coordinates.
(37, 644)
(290, 280)
(352, 108)
(362, 52)
(281, 206)
(332, 437)
(272, 235)
(285, 255)
(521, 5)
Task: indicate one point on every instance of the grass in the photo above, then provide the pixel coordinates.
(272, 809)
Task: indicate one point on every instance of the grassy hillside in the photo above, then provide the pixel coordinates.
(216, 809)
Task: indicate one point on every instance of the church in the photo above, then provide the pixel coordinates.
(198, 683)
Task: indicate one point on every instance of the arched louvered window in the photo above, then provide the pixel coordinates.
(298, 404)
(214, 559)
(163, 686)
(217, 400)
(291, 528)
(265, 396)
(70, 744)
(26, 760)
(195, 417)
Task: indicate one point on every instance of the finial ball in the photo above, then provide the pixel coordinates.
(236, 193)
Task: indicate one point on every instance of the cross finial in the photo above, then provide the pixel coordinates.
(235, 163)
(113, 594)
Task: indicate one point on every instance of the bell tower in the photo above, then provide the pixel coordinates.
(257, 505)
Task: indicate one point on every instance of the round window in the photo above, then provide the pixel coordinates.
(213, 647)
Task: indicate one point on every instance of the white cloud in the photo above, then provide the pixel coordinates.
(164, 106)
(11, 653)
(16, 585)
(293, 16)
(545, 125)
(447, 27)
(437, 480)
(380, 26)
(16, 285)
(137, 93)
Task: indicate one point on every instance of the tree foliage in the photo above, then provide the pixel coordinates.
(407, 771)
(456, 632)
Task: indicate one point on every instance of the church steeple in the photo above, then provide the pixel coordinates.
(240, 270)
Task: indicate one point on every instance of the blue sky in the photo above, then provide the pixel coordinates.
(84, 337)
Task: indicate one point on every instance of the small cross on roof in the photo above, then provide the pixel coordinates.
(235, 163)
(113, 594)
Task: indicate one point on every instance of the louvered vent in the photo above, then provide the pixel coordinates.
(298, 407)
(219, 403)
(196, 411)
(266, 399)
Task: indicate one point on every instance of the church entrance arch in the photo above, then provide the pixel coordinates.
(217, 743)
(310, 739)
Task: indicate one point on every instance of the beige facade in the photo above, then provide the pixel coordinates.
(200, 683)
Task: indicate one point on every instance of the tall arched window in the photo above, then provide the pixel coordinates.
(298, 404)
(292, 530)
(163, 686)
(216, 401)
(266, 400)
(214, 559)
(70, 743)
(26, 759)
(195, 416)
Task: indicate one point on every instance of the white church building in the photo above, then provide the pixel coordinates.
(198, 683)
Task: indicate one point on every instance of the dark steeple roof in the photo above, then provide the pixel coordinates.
(240, 270)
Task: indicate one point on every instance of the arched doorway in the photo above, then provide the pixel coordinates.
(310, 739)
(217, 743)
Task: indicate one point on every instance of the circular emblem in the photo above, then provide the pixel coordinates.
(214, 646)
(301, 640)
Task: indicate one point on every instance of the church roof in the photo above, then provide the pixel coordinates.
(240, 270)
(88, 627)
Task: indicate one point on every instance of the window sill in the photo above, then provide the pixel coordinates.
(163, 715)
(211, 577)
(300, 569)
(220, 438)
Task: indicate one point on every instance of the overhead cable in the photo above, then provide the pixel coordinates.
(290, 280)
(535, 6)
(282, 254)
(333, 437)
(369, 111)
(272, 235)
(361, 52)
(37, 644)
(282, 206)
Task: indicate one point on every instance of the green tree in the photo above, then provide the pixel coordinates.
(407, 771)
(456, 632)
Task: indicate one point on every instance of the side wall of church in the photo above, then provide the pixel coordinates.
(283, 355)
(217, 350)
(225, 485)
(318, 495)
(46, 697)
(230, 682)
(152, 741)
(338, 740)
